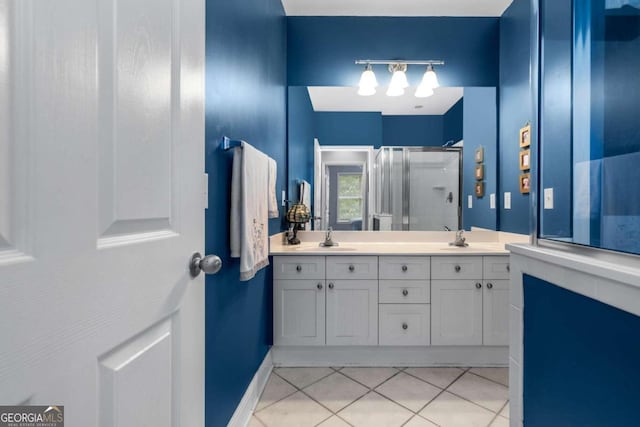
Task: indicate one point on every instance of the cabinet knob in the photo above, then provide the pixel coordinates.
(457, 268)
(405, 326)
(478, 285)
(319, 286)
(405, 268)
(508, 267)
(352, 267)
(489, 285)
(298, 268)
(331, 285)
(405, 292)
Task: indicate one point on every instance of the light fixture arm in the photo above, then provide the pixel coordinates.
(398, 61)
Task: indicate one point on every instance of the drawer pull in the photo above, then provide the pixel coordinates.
(298, 268)
(508, 267)
(457, 268)
(405, 326)
(489, 285)
(352, 268)
(479, 285)
(405, 268)
(319, 286)
(331, 285)
(405, 292)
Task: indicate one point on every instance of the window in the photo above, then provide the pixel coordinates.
(589, 129)
(349, 196)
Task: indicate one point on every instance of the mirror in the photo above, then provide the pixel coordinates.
(394, 163)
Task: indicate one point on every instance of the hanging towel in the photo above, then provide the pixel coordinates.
(305, 193)
(250, 210)
(273, 200)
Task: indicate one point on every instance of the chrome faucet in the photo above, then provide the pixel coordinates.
(328, 240)
(446, 228)
(460, 241)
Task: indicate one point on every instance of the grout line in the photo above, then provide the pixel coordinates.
(488, 379)
(435, 385)
(276, 401)
(364, 385)
(469, 400)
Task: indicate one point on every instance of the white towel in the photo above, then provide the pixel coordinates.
(250, 210)
(305, 193)
(273, 200)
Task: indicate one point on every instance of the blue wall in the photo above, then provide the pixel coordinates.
(515, 112)
(452, 122)
(412, 130)
(580, 360)
(246, 99)
(479, 130)
(348, 128)
(301, 132)
(322, 50)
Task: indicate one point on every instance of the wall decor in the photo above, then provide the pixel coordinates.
(479, 172)
(525, 136)
(479, 155)
(525, 183)
(525, 160)
(479, 189)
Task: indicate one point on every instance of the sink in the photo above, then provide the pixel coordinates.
(455, 248)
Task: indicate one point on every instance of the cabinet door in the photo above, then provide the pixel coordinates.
(298, 312)
(352, 312)
(496, 312)
(456, 307)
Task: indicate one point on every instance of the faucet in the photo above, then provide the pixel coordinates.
(446, 228)
(460, 241)
(328, 241)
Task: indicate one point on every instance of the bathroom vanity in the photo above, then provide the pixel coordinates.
(392, 302)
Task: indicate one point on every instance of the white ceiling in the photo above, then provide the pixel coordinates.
(395, 7)
(346, 99)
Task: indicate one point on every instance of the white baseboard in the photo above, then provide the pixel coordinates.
(476, 356)
(245, 408)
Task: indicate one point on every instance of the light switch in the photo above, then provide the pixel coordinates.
(492, 201)
(470, 202)
(507, 200)
(284, 198)
(548, 198)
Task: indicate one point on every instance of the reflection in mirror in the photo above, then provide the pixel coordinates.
(356, 135)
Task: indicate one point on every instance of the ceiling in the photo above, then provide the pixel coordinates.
(395, 7)
(346, 99)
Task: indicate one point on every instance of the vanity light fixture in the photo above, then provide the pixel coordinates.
(368, 82)
(399, 82)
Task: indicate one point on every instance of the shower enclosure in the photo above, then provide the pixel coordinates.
(418, 188)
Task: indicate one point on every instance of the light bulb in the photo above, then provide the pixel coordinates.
(423, 91)
(368, 82)
(430, 78)
(395, 90)
(366, 90)
(399, 78)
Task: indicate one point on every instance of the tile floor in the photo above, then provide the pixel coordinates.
(384, 397)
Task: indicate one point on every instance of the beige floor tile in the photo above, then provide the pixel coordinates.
(418, 421)
(336, 391)
(500, 422)
(303, 377)
(297, 410)
(334, 422)
(371, 377)
(505, 411)
(408, 391)
(448, 410)
(373, 410)
(499, 375)
(440, 377)
(276, 389)
(485, 393)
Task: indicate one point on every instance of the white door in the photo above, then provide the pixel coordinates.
(495, 320)
(456, 307)
(101, 206)
(298, 312)
(352, 312)
(317, 186)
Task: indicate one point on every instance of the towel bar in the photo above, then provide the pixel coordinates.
(228, 143)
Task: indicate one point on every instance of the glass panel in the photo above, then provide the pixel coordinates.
(349, 197)
(349, 185)
(589, 129)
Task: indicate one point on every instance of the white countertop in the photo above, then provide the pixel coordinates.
(429, 243)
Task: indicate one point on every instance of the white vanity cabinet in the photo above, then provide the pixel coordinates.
(352, 300)
(299, 296)
(470, 300)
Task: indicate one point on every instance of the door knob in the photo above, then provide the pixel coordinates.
(489, 285)
(405, 292)
(210, 264)
(405, 268)
(479, 285)
(457, 268)
(330, 285)
(405, 326)
(352, 267)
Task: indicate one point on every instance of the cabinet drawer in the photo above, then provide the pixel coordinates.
(405, 291)
(411, 268)
(352, 267)
(496, 267)
(456, 267)
(405, 324)
(298, 267)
